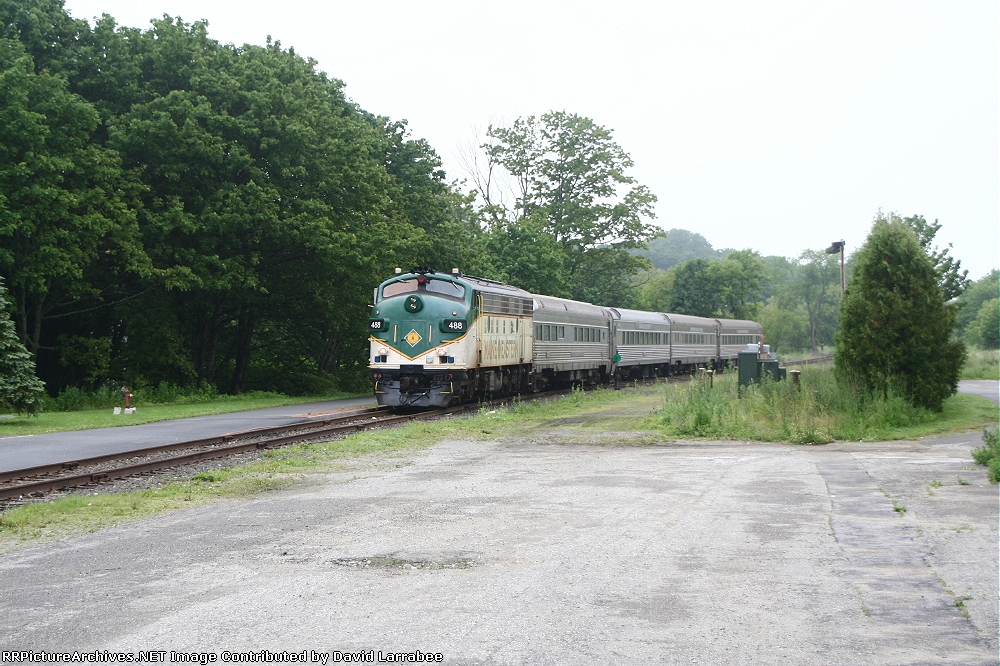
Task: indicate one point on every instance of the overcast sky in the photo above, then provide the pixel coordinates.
(778, 126)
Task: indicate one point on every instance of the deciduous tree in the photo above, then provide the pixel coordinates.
(984, 331)
(68, 229)
(951, 278)
(568, 171)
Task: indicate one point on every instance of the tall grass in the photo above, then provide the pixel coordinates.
(819, 411)
(982, 364)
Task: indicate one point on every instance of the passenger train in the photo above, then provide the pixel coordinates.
(439, 339)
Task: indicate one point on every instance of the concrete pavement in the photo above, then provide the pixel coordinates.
(554, 548)
(985, 388)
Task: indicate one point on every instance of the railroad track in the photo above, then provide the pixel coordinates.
(809, 361)
(35, 481)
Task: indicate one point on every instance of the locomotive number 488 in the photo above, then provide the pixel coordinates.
(453, 325)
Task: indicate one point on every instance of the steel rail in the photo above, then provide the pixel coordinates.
(343, 424)
(810, 361)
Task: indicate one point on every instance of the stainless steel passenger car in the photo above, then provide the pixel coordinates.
(642, 339)
(572, 341)
(735, 335)
(693, 341)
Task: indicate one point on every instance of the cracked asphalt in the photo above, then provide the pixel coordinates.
(554, 548)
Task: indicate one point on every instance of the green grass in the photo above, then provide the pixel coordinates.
(822, 411)
(982, 364)
(103, 418)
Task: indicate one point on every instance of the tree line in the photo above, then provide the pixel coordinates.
(176, 210)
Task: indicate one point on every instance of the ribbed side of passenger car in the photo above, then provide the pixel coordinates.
(693, 340)
(570, 335)
(642, 338)
(735, 335)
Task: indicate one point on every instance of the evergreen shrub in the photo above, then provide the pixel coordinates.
(20, 390)
(895, 327)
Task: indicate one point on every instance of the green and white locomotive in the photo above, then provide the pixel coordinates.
(438, 339)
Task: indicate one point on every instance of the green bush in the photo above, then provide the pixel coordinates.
(989, 454)
(895, 328)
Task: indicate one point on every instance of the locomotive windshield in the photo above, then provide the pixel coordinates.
(400, 287)
(440, 287)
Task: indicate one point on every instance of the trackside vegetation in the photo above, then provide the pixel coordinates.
(982, 364)
(647, 416)
(820, 411)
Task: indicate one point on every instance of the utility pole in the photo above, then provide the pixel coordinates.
(838, 246)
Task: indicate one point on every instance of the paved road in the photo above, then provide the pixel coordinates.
(987, 388)
(32, 450)
(558, 548)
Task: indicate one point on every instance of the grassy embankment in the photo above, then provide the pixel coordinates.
(601, 416)
(184, 407)
(822, 411)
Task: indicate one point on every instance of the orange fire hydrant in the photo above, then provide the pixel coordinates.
(128, 397)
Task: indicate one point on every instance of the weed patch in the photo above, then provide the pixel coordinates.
(989, 453)
(819, 412)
